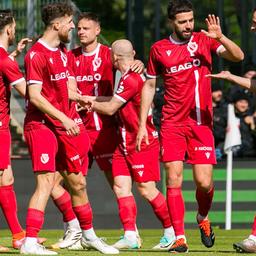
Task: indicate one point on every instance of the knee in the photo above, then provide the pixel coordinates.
(174, 180)
(121, 190)
(79, 186)
(204, 185)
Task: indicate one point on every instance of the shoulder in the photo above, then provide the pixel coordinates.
(75, 52)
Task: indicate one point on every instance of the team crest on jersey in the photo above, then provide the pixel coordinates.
(96, 63)
(168, 52)
(32, 54)
(45, 158)
(64, 58)
(192, 47)
(77, 63)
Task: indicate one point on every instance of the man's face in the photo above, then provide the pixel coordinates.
(183, 25)
(87, 31)
(253, 26)
(11, 38)
(66, 24)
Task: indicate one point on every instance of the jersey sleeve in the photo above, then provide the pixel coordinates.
(34, 66)
(12, 72)
(127, 89)
(153, 68)
(215, 46)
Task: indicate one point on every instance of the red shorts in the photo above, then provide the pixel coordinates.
(196, 143)
(43, 146)
(73, 153)
(5, 148)
(142, 166)
(50, 151)
(103, 145)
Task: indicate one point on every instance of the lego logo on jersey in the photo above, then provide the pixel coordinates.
(44, 158)
(185, 66)
(60, 76)
(89, 78)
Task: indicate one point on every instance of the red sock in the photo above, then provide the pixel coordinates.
(64, 204)
(34, 222)
(204, 200)
(160, 208)
(254, 226)
(9, 207)
(176, 209)
(84, 215)
(127, 212)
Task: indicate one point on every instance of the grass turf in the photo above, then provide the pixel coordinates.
(223, 243)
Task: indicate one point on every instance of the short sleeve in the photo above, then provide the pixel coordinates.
(12, 72)
(153, 68)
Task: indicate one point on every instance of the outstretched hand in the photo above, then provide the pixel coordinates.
(86, 102)
(213, 27)
(222, 75)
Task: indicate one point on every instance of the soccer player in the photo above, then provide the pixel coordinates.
(183, 59)
(10, 76)
(54, 132)
(248, 244)
(93, 72)
(129, 165)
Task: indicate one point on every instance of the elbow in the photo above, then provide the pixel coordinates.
(239, 57)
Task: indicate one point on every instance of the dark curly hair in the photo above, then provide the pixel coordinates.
(6, 18)
(178, 6)
(55, 10)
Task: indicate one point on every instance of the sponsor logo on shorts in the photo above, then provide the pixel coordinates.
(1, 124)
(207, 154)
(44, 158)
(138, 166)
(76, 157)
(155, 134)
(78, 120)
(204, 148)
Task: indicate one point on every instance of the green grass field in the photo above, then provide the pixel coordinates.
(223, 243)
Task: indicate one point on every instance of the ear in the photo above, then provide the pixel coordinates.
(8, 29)
(133, 52)
(98, 30)
(56, 26)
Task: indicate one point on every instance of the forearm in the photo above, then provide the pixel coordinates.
(234, 52)
(243, 82)
(147, 97)
(46, 107)
(103, 107)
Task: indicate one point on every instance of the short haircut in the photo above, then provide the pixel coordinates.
(89, 16)
(178, 6)
(53, 11)
(254, 10)
(6, 18)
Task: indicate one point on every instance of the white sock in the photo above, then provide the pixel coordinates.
(252, 237)
(200, 218)
(73, 224)
(89, 234)
(130, 235)
(30, 241)
(182, 236)
(169, 232)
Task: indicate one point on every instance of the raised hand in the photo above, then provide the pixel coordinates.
(213, 27)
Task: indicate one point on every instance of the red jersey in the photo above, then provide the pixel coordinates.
(49, 67)
(129, 92)
(10, 75)
(94, 76)
(188, 99)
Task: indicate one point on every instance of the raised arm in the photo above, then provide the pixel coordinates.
(231, 50)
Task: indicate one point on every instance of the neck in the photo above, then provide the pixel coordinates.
(4, 43)
(177, 39)
(124, 66)
(51, 39)
(90, 47)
